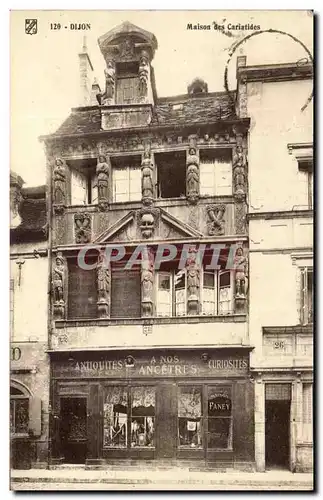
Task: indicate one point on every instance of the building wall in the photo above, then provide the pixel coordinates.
(29, 363)
(30, 296)
(280, 243)
(277, 120)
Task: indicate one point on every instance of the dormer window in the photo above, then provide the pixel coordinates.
(127, 82)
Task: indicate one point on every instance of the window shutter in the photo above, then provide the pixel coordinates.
(78, 188)
(82, 292)
(207, 178)
(164, 295)
(225, 292)
(135, 184)
(223, 177)
(209, 293)
(127, 90)
(125, 294)
(35, 416)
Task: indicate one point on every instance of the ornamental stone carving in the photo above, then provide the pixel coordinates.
(193, 281)
(147, 285)
(216, 223)
(239, 169)
(82, 228)
(59, 183)
(109, 72)
(103, 288)
(103, 172)
(147, 170)
(58, 283)
(143, 75)
(147, 221)
(192, 171)
(241, 273)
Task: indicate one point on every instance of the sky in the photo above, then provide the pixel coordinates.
(45, 67)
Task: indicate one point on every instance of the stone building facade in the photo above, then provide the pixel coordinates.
(149, 362)
(162, 362)
(29, 362)
(277, 100)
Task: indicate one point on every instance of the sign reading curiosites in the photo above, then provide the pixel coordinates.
(155, 365)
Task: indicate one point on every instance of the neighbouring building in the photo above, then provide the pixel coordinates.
(281, 260)
(148, 362)
(29, 362)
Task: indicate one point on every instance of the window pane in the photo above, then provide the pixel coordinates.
(219, 417)
(78, 188)
(135, 184)
(208, 280)
(223, 176)
(208, 301)
(219, 433)
(189, 417)
(164, 282)
(21, 415)
(142, 416)
(115, 410)
(180, 302)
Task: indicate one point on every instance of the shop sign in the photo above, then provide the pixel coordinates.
(173, 365)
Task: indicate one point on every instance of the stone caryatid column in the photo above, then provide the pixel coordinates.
(147, 286)
(144, 76)
(241, 279)
(193, 281)
(240, 183)
(110, 83)
(103, 172)
(59, 185)
(58, 287)
(147, 172)
(192, 171)
(103, 289)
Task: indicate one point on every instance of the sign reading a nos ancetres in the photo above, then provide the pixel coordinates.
(156, 365)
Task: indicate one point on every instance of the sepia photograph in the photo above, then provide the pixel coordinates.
(161, 250)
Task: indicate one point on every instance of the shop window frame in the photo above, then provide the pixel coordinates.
(22, 395)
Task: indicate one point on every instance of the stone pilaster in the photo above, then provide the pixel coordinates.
(259, 424)
(144, 76)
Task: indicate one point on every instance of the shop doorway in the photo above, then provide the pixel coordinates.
(277, 427)
(73, 429)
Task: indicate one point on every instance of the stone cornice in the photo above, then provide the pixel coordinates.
(275, 72)
(217, 124)
(304, 329)
(289, 214)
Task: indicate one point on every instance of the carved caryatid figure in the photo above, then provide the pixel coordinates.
(58, 281)
(193, 281)
(59, 180)
(147, 187)
(143, 74)
(239, 170)
(147, 285)
(192, 172)
(103, 176)
(216, 217)
(103, 282)
(110, 80)
(241, 271)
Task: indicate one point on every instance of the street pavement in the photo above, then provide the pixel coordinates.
(172, 479)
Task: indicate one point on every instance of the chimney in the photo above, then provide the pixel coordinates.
(16, 183)
(86, 70)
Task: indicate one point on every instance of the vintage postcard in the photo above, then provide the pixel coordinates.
(161, 248)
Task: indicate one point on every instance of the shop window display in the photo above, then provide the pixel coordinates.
(190, 417)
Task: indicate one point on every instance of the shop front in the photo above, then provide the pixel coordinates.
(163, 405)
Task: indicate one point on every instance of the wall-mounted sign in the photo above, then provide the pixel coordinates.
(179, 364)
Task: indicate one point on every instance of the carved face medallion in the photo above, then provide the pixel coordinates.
(147, 225)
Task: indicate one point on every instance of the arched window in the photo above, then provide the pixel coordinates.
(19, 409)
